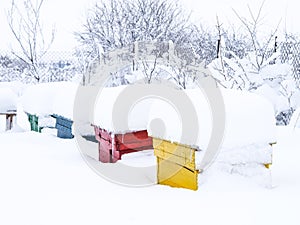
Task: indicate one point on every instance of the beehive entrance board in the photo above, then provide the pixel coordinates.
(176, 165)
(63, 126)
(113, 146)
(34, 122)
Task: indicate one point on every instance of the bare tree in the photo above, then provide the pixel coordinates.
(114, 24)
(203, 41)
(24, 21)
(185, 65)
(263, 50)
(242, 70)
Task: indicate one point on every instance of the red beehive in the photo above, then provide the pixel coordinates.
(112, 146)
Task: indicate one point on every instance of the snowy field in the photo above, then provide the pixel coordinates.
(51, 184)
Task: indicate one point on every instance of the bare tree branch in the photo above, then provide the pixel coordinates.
(27, 30)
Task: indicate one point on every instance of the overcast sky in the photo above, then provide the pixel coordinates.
(67, 15)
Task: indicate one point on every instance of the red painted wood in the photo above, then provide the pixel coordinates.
(135, 146)
(104, 153)
(123, 144)
(101, 133)
(132, 137)
(98, 138)
(116, 156)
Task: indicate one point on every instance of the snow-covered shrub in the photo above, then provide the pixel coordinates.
(284, 117)
(272, 80)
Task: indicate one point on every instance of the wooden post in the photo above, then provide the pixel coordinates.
(9, 121)
(275, 45)
(219, 54)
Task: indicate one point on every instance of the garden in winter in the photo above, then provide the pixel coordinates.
(149, 111)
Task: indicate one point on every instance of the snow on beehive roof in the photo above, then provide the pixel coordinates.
(63, 103)
(249, 119)
(170, 119)
(39, 99)
(16, 86)
(108, 116)
(8, 100)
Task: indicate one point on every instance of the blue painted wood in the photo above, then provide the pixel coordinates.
(64, 132)
(63, 126)
(63, 121)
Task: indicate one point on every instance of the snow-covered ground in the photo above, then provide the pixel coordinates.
(51, 184)
(45, 180)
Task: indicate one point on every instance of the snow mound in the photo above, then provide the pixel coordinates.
(249, 119)
(174, 119)
(145, 158)
(120, 110)
(8, 100)
(64, 99)
(47, 121)
(39, 99)
(16, 86)
(260, 153)
(280, 103)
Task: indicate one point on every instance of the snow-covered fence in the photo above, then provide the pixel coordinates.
(147, 60)
(54, 66)
(290, 52)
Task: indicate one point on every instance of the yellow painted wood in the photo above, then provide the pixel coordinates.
(268, 165)
(176, 165)
(173, 148)
(174, 175)
(177, 153)
(182, 161)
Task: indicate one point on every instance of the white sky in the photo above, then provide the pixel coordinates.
(67, 15)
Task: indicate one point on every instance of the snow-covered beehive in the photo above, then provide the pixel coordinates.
(8, 100)
(249, 131)
(39, 102)
(116, 136)
(63, 109)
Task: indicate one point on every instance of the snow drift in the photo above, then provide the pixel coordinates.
(8, 100)
(249, 119)
(113, 115)
(249, 127)
(48, 98)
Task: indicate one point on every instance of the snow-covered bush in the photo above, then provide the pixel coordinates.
(273, 81)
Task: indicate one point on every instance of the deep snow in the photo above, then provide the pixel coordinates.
(51, 184)
(45, 180)
(8, 100)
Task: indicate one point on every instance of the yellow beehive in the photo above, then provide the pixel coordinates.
(176, 165)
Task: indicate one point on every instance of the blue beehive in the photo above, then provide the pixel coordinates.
(63, 126)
